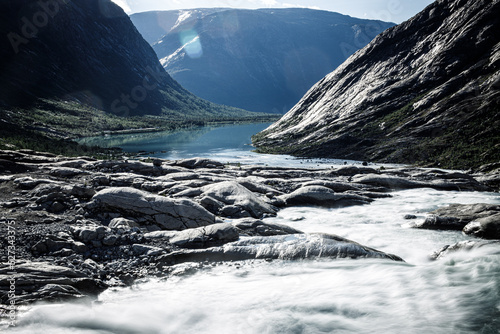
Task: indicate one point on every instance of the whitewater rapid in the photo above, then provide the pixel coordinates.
(457, 294)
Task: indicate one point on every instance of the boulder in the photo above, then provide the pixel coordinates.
(90, 233)
(137, 167)
(81, 191)
(434, 222)
(256, 227)
(211, 204)
(170, 214)
(386, 181)
(37, 281)
(284, 247)
(122, 223)
(198, 163)
(462, 246)
(234, 194)
(139, 249)
(335, 186)
(468, 212)
(66, 172)
(486, 228)
(457, 216)
(258, 187)
(182, 176)
(55, 243)
(203, 237)
(29, 183)
(322, 196)
(353, 170)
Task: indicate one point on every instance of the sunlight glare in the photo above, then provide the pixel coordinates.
(191, 43)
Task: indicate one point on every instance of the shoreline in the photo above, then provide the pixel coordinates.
(153, 130)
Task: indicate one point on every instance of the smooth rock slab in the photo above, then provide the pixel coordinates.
(256, 227)
(201, 237)
(170, 214)
(458, 216)
(66, 171)
(233, 193)
(434, 222)
(487, 227)
(37, 281)
(287, 247)
(386, 181)
(322, 196)
(198, 163)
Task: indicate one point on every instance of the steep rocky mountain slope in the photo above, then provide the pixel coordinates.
(426, 91)
(87, 51)
(260, 60)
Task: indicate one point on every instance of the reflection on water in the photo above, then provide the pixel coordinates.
(230, 143)
(189, 142)
(152, 141)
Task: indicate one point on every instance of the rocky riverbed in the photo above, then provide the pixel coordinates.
(74, 227)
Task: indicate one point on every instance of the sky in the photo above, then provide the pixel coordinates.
(386, 10)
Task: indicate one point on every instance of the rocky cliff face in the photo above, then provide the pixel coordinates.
(426, 91)
(87, 51)
(259, 60)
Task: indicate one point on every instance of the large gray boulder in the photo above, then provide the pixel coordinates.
(168, 213)
(487, 227)
(237, 197)
(256, 227)
(458, 216)
(322, 196)
(201, 237)
(198, 163)
(434, 222)
(387, 181)
(36, 281)
(285, 247)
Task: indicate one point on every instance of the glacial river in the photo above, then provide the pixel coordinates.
(457, 294)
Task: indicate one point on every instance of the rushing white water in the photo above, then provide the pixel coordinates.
(458, 294)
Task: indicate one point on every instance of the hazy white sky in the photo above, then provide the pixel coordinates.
(386, 10)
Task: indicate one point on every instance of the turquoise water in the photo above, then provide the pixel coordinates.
(229, 143)
(184, 142)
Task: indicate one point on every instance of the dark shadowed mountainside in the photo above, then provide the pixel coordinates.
(261, 60)
(426, 91)
(88, 51)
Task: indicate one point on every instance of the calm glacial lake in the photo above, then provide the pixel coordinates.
(229, 143)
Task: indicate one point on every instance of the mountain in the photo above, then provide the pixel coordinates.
(87, 51)
(154, 25)
(426, 91)
(260, 60)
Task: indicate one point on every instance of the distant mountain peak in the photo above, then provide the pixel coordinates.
(260, 60)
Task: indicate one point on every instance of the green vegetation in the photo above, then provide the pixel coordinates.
(51, 124)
